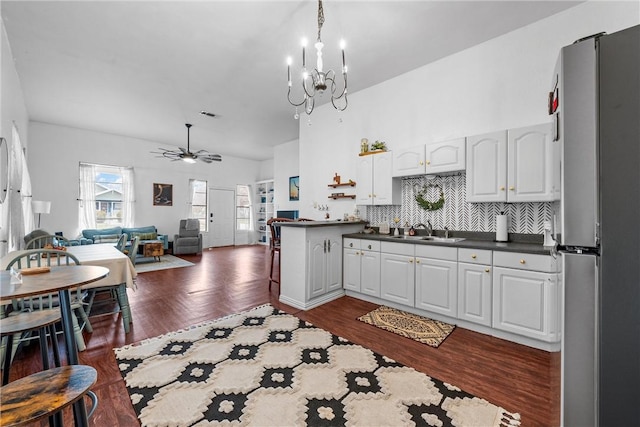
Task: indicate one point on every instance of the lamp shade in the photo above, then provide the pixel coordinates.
(41, 207)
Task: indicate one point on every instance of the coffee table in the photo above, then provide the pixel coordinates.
(153, 249)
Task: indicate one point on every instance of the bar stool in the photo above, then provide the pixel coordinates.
(40, 320)
(45, 394)
(275, 245)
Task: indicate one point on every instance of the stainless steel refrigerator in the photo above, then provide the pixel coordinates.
(594, 102)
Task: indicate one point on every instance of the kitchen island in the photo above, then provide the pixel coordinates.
(311, 261)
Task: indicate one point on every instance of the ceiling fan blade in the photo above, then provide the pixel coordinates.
(184, 150)
(204, 159)
(214, 157)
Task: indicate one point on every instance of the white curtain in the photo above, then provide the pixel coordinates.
(16, 195)
(87, 200)
(251, 215)
(192, 195)
(128, 197)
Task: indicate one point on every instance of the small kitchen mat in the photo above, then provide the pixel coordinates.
(418, 328)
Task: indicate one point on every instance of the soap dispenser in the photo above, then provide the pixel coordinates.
(412, 231)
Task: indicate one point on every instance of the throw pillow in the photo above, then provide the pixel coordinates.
(147, 236)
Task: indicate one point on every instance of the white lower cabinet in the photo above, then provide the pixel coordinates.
(361, 271)
(525, 301)
(325, 265)
(437, 279)
(474, 286)
(397, 273)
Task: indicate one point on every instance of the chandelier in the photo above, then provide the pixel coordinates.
(316, 81)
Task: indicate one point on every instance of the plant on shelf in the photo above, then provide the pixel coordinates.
(379, 145)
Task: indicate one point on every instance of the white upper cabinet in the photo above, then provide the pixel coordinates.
(376, 185)
(441, 157)
(533, 167)
(448, 156)
(518, 165)
(409, 161)
(487, 167)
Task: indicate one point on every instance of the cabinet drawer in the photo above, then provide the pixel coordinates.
(370, 245)
(397, 248)
(523, 261)
(474, 256)
(351, 243)
(437, 252)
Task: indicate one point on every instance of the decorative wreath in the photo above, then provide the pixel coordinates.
(426, 204)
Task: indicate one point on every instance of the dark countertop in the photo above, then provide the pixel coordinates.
(477, 241)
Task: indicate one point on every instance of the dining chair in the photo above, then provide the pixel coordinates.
(46, 258)
(121, 243)
(274, 244)
(40, 242)
(133, 249)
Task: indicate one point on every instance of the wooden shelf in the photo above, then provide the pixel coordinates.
(367, 153)
(347, 184)
(346, 196)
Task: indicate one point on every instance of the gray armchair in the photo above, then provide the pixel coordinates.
(188, 240)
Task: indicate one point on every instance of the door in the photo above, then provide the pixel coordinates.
(437, 286)
(222, 218)
(397, 278)
(409, 161)
(317, 267)
(364, 177)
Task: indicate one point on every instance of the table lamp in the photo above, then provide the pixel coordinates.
(40, 207)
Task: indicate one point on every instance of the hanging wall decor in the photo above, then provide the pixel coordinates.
(294, 188)
(162, 194)
(426, 204)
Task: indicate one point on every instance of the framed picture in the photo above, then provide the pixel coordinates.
(162, 194)
(294, 188)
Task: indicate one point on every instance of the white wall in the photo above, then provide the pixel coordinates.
(54, 154)
(499, 84)
(285, 165)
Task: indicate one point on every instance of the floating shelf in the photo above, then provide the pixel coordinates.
(368, 153)
(346, 196)
(347, 184)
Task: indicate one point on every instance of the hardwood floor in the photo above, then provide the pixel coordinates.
(228, 280)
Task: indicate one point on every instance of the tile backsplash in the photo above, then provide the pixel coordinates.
(457, 214)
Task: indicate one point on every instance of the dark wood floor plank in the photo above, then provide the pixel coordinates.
(229, 280)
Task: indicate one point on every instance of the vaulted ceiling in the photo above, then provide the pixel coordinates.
(143, 69)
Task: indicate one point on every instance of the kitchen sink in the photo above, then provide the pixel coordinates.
(431, 238)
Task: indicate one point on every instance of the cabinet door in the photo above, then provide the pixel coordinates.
(474, 293)
(526, 303)
(364, 180)
(386, 190)
(448, 156)
(532, 164)
(437, 286)
(334, 264)
(370, 273)
(316, 264)
(487, 167)
(409, 161)
(351, 269)
(397, 278)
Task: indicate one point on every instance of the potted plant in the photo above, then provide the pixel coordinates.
(379, 146)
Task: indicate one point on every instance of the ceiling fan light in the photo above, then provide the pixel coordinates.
(189, 159)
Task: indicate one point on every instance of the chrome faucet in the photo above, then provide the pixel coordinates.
(428, 227)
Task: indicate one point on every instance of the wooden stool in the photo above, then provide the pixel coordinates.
(40, 320)
(45, 393)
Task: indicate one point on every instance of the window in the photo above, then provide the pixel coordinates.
(199, 202)
(243, 208)
(106, 196)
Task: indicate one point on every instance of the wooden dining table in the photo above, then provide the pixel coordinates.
(57, 279)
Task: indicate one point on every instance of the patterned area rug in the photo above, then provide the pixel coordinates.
(418, 328)
(264, 367)
(144, 265)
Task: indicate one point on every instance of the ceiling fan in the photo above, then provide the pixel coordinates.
(187, 155)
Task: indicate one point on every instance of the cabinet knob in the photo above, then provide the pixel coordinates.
(486, 270)
(374, 195)
(350, 245)
(474, 256)
(421, 163)
(369, 195)
(369, 246)
(522, 261)
(417, 261)
(512, 188)
(428, 162)
(502, 188)
(411, 260)
(361, 253)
